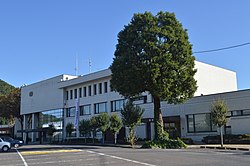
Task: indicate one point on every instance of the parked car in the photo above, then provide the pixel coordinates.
(13, 142)
(5, 146)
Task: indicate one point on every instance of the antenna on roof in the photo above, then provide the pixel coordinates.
(76, 67)
(90, 65)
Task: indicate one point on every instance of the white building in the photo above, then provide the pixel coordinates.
(54, 100)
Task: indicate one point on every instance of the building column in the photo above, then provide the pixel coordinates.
(33, 134)
(24, 127)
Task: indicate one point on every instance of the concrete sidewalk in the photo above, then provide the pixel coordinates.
(244, 147)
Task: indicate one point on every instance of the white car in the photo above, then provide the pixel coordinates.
(5, 146)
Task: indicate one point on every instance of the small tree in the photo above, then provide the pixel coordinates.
(85, 128)
(69, 129)
(51, 130)
(115, 125)
(94, 126)
(219, 111)
(131, 117)
(103, 123)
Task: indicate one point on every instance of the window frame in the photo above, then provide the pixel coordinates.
(97, 107)
(82, 113)
(211, 125)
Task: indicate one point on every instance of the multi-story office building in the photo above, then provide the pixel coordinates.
(54, 101)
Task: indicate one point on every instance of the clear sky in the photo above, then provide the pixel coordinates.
(40, 39)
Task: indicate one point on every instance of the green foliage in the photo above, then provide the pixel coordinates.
(5, 88)
(51, 130)
(131, 117)
(10, 106)
(165, 144)
(219, 111)
(94, 126)
(3, 121)
(103, 123)
(115, 123)
(70, 129)
(84, 127)
(153, 54)
(94, 123)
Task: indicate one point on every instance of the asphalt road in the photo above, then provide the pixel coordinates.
(46, 155)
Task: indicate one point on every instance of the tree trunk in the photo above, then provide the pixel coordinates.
(115, 137)
(93, 136)
(102, 138)
(158, 121)
(221, 136)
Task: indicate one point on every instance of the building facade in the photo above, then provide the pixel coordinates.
(54, 101)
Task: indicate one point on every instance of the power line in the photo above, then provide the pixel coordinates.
(220, 49)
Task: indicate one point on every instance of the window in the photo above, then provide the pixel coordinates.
(70, 112)
(117, 105)
(85, 110)
(75, 93)
(100, 88)
(84, 91)
(67, 95)
(200, 123)
(246, 112)
(89, 90)
(94, 89)
(228, 130)
(80, 92)
(71, 94)
(140, 100)
(237, 113)
(105, 87)
(190, 122)
(100, 107)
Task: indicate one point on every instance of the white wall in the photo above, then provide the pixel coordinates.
(240, 125)
(46, 96)
(212, 79)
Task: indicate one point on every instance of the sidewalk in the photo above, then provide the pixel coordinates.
(244, 147)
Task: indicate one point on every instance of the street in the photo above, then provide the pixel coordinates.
(44, 155)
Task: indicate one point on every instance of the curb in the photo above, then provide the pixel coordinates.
(224, 148)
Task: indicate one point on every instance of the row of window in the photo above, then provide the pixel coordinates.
(87, 91)
(239, 113)
(116, 105)
(203, 123)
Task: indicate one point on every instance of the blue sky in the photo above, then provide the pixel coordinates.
(41, 39)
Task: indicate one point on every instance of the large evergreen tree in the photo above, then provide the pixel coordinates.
(153, 54)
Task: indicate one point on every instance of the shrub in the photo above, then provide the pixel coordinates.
(165, 144)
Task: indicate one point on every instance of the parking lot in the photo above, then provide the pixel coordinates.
(40, 155)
